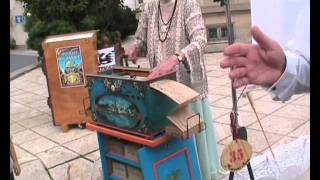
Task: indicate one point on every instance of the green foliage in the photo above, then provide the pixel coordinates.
(53, 17)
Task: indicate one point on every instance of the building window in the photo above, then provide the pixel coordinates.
(140, 1)
(218, 33)
(213, 33)
(224, 32)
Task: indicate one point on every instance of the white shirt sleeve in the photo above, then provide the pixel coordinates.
(295, 79)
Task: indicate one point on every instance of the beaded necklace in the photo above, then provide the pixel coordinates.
(169, 21)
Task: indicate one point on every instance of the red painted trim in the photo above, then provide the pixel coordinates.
(184, 150)
(150, 136)
(129, 137)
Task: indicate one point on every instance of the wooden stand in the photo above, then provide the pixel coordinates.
(125, 156)
(68, 58)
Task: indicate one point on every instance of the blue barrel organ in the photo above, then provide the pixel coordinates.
(123, 99)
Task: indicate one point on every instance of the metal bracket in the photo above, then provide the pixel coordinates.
(200, 129)
(125, 60)
(85, 110)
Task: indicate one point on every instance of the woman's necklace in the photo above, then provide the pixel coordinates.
(165, 30)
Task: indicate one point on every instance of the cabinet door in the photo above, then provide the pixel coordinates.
(176, 160)
(66, 63)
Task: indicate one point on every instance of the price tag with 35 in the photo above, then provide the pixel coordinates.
(236, 155)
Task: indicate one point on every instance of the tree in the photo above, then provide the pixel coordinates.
(53, 17)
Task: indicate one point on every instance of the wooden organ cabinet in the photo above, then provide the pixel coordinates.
(145, 128)
(68, 58)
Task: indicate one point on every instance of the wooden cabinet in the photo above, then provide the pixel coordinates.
(68, 58)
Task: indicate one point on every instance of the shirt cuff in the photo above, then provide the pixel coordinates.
(283, 88)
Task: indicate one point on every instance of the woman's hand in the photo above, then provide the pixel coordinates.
(16, 168)
(165, 67)
(132, 53)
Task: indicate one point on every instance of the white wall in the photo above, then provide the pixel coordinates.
(130, 3)
(133, 4)
(17, 30)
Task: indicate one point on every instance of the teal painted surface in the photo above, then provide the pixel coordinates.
(102, 141)
(118, 111)
(146, 109)
(174, 168)
(206, 140)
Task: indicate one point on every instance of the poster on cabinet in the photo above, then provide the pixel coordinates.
(70, 65)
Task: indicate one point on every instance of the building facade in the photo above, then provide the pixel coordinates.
(214, 19)
(17, 20)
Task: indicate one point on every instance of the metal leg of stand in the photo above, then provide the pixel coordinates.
(242, 133)
(250, 171)
(231, 175)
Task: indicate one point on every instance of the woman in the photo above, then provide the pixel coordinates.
(173, 35)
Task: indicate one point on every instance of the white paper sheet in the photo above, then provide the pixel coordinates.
(286, 21)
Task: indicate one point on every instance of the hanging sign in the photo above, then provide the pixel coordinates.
(236, 155)
(20, 19)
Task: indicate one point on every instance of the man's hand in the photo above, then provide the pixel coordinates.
(260, 64)
(165, 67)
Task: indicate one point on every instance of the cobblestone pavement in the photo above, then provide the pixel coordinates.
(45, 152)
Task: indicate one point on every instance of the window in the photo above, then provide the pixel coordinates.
(140, 1)
(218, 33)
(224, 32)
(213, 33)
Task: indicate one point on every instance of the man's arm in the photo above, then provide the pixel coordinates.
(287, 72)
(295, 79)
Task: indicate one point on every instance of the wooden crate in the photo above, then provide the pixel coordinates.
(115, 146)
(131, 151)
(156, 162)
(68, 58)
(119, 170)
(134, 173)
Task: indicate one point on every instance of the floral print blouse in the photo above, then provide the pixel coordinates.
(186, 34)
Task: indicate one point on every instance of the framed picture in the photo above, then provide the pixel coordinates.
(70, 66)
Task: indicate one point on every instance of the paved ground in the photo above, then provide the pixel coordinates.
(45, 152)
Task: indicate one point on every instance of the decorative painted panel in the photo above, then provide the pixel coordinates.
(176, 160)
(117, 111)
(128, 103)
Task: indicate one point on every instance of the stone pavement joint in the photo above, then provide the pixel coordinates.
(47, 170)
(38, 159)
